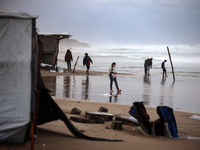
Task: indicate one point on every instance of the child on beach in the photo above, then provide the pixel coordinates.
(164, 69)
(86, 61)
(112, 74)
(68, 59)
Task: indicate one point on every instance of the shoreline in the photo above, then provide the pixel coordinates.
(81, 72)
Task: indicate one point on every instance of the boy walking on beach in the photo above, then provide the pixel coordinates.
(86, 61)
(164, 69)
(112, 74)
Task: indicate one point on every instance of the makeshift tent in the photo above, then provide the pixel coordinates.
(50, 42)
(18, 73)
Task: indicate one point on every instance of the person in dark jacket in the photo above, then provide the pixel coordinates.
(145, 66)
(164, 69)
(86, 62)
(68, 59)
(149, 65)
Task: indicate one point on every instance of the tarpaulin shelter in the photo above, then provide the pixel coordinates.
(18, 74)
(50, 42)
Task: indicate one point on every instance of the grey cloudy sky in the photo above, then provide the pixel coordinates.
(116, 21)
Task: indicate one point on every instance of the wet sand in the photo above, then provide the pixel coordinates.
(55, 135)
(181, 95)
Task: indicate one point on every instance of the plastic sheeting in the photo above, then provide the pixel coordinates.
(15, 77)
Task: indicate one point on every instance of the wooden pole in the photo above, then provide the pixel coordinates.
(171, 63)
(75, 64)
(32, 131)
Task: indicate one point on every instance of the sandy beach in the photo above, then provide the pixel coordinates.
(56, 136)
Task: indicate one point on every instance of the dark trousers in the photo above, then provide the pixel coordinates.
(145, 70)
(88, 67)
(164, 72)
(111, 82)
(68, 64)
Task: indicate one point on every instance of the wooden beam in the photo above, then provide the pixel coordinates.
(75, 64)
(171, 63)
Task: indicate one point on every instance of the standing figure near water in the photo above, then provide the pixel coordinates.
(68, 59)
(112, 74)
(145, 66)
(164, 69)
(86, 61)
(149, 65)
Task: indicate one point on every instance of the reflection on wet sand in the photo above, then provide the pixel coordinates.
(113, 98)
(67, 86)
(85, 88)
(164, 92)
(153, 91)
(146, 89)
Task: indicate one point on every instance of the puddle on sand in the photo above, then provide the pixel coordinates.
(152, 91)
(79, 88)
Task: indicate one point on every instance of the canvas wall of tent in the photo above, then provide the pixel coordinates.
(18, 71)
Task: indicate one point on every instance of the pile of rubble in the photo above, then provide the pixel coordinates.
(102, 115)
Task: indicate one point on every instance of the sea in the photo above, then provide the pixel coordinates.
(185, 59)
(153, 90)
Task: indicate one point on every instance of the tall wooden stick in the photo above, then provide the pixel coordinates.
(32, 131)
(171, 63)
(75, 64)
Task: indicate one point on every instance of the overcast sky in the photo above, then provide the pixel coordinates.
(124, 22)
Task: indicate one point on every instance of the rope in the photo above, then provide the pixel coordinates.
(156, 64)
(80, 66)
(134, 72)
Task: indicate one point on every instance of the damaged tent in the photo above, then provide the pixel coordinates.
(25, 102)
(50, 50)
(18, 73)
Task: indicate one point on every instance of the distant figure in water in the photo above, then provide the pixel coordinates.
(86, 61)
(68, 59)
(164, 69)
(145, 66)
(112, 74)
(149, 65)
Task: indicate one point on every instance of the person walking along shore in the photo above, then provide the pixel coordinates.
(86, 62)
(112, 75)
(164, 69)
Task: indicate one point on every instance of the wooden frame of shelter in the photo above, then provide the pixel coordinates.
(50, 42)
